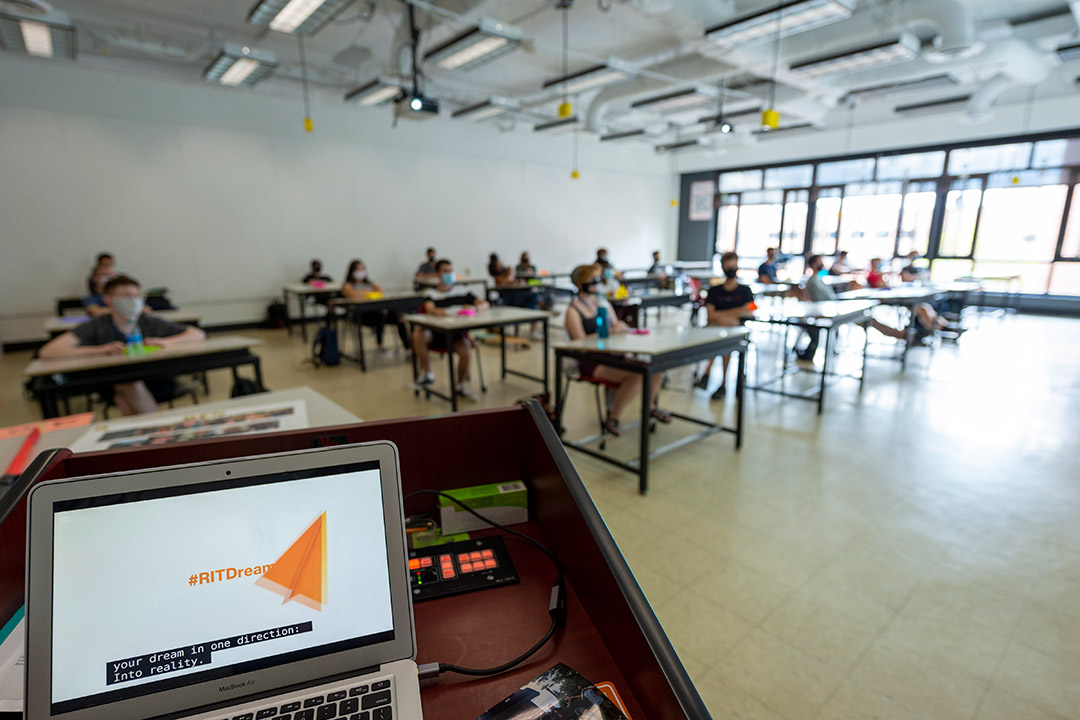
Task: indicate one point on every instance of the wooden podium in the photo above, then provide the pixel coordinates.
(611, 633)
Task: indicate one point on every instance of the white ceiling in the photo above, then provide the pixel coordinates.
(178, 40)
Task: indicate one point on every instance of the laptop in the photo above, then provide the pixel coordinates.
(272, 586)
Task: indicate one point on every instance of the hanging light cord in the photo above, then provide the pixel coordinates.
(775, 57)
(303, 77)
(566, 50)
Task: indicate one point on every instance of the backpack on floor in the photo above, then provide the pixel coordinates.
(276, 315)
(324, 349)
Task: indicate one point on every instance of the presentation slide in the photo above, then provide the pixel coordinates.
(157, 589)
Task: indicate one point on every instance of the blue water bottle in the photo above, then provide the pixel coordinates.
(602, 328)
(133, 344)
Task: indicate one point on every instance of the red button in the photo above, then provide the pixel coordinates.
(488, 554)
(426, 562)
(475, 555)
(488, 564)
(414, 564)
(447, 574)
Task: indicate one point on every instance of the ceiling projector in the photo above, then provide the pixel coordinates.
(415, 106)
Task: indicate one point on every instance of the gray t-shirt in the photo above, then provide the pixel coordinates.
(101, 329)
(818, 290)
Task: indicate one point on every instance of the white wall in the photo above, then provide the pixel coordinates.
(219, 195)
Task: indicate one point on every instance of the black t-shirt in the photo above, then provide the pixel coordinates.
(101, 329)
(449, 299)
(316, 276)
(722, 299)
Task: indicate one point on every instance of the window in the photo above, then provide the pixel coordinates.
(961, 216)
(870, 215)
(1070, 247)
(727, 221)
(1055, 153)
(759, 222)
(1065, 278)
(1018, 232)
(791, 176)
(845, 171)
(796, 204)
(916, 217)
(826, 221)
(738, 181)
(915, 165)
(992, 158)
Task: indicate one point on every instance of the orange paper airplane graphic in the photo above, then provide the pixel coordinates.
(300, 573)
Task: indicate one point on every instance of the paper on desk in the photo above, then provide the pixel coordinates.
(12, 662)
(47, 426)
(170, 428)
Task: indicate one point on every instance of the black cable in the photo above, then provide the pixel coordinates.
(556, 607)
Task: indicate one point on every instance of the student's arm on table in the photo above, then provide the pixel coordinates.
(68, 345)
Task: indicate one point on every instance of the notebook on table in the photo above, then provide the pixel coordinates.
(264, 587)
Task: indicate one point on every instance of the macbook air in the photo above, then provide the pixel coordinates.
(264, 587)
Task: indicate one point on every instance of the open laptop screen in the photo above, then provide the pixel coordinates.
(160, 588)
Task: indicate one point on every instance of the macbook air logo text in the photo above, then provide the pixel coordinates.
(235, 686)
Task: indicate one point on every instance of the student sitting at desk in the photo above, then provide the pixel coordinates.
(104, 264)
(357, 286)
(441, 297)
(316, 274)
(767, 270)
(727, 305)
(656, 269)
(428, 270)
(875, 278)
(581, 322)
(816, 291)
(500, 273)
(602, 260)
(106, 334)
(840, 265)
(525, 266)
(103, 272)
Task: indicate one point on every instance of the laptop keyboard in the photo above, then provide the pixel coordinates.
(368, 701)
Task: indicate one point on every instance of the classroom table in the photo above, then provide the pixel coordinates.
(490, 318)
(302, 291)
(399, 302)
(59, 325)
(1013, 289)
(638, 282)
(464, 282)
(634, 309)
(52, 379)
(610, 631)
(829, 316)
(647, 355)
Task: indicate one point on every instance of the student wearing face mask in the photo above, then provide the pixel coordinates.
(581, 322)
(609, 282)
(438, 299)
(817, 290)
(727, 305)
(106, 335)
(525, 266)
(357, 285)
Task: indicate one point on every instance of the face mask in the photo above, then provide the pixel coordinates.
(591, 287)
(130, 307)
(608, 273)
(730, 273)
(359, 275)
(449, 278)
(524, 261)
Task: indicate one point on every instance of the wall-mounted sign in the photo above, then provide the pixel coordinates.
(701, 200)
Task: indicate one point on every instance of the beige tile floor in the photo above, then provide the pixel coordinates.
(911, 554)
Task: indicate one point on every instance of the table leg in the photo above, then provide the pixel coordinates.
(360, 341)
(547, 360)
(303, 317)
(865, 355)
(559, 393)
(288, 315)
(47, 400)
(415, 365)
(740, 390)
(502, 349)
(825, 368)
(646, 416)
(450, 359)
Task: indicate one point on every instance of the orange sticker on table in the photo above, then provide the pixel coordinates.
(61, 423)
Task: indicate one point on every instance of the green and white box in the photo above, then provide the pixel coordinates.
(504, 503)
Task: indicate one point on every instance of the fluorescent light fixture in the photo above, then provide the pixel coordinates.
(796, 16)
(239, 65)
(489, 40)
(905, 47)
(374, 93)
(484, 110)
(559, 126)
(680, 99)
(595, 76)
(300, 17)
(930, 82)
(933, 106)
(786, 129)
(625, 135)
(682, 145)
(1068, 53)
(39, 37)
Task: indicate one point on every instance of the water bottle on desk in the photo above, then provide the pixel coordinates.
(133, 342)
(602, 320)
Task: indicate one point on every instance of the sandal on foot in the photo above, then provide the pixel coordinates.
(662, 415)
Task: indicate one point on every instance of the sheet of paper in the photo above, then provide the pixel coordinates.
(193, 424)
(47, 426)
